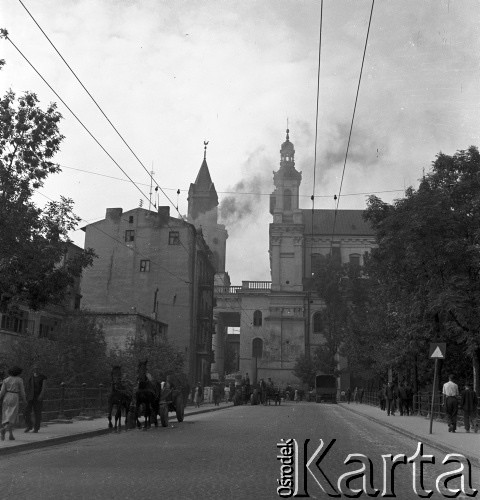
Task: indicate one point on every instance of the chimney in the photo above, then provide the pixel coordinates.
(113, 213)
(164, 214)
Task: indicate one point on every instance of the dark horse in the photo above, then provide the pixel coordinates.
(121, 396)
(148, 395)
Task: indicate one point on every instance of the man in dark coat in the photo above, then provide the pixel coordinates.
(35, 390)
(390, 396)
(469, 403)
(402, 399)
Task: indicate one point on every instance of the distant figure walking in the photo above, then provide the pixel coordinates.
(216, 394)
(355, 394)
(390, 396)
(381, 398)
(35, 390)
(450, 395)
(198, 395)
(12, 391)
(297, 396)
(348, 394)
(469, 403)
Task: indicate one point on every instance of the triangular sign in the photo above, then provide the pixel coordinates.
(437, 353)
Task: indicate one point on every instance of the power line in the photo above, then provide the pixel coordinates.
(246, 193)
(147, 257)
(351, 124)
(99, 108)
(4, 34)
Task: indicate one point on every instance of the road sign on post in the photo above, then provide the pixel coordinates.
(437, 351)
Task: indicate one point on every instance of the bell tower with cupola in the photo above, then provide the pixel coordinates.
(286, 231)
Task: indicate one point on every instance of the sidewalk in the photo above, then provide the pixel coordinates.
(418, 428)
(65, 431)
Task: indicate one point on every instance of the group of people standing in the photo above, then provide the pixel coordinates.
(468, 402)
(13, 391)
(392, 398)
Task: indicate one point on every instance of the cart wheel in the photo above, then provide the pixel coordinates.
(164, 415)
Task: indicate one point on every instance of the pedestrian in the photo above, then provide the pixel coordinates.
(361, 393)
(198, 395)
(35, 390)
(469, 403)
(216, 394)
(390, 396)
(348, 394)
(247, 388)
(297, 396)
(409, 391)
(355, 394)
(12, 391)
(450, 401)
(402, 399)
(381, 397)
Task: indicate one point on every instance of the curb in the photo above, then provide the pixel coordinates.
(411, 435)
(35, 445)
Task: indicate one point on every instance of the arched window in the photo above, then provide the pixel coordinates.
(287, 199)
(257, 318)
(257, 348)
(317, 323)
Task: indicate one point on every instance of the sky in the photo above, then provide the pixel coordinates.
(173, 74)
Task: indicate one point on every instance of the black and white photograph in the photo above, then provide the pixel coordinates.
(239, 249)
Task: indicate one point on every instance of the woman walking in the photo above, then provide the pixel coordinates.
(12, 390)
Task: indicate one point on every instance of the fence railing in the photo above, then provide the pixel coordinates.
(421, 404)
(65, 402)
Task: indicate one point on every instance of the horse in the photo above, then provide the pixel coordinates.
(147, 394)
(121, 397)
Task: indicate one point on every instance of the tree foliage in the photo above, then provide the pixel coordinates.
(33, 241)
(74, 354)
(427, 262)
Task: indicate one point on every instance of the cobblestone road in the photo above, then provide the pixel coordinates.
(229, 454)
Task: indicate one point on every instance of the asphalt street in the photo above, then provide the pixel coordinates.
(225, 454)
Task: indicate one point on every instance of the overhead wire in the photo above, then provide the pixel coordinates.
(246, 193)
(5, 35)
(351, 125)
(135, 251)
(100, 109)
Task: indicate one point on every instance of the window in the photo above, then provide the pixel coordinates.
(257, 318)
(78, 299)
(317, 323)
(355, 259)
(287, 199)
(174, 238)
(336, 255)
(257, 348)
(316, 261)
(130, 219)
(144, 266)
(129, 235)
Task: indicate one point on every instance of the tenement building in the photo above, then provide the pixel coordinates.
(154, 278)
(282, 319)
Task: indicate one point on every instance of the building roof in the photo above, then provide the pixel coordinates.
(348, 222)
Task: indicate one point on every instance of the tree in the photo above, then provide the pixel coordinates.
(428, 257)
(33, 241)
(74, 354)
(163, 358)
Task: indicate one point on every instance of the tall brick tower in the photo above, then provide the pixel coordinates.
(203, 213)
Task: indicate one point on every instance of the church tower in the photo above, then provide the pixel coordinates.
(203, 213)
(286, 231)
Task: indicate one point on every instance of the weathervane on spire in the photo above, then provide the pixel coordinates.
(288, 137)
(205, 144)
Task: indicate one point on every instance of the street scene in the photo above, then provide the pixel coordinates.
(239, 249)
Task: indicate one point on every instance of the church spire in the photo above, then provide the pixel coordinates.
(287, 153)
(202, 195)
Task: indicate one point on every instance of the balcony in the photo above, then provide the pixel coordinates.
(247, 286)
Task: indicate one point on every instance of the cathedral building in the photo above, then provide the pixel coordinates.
(282, 319)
